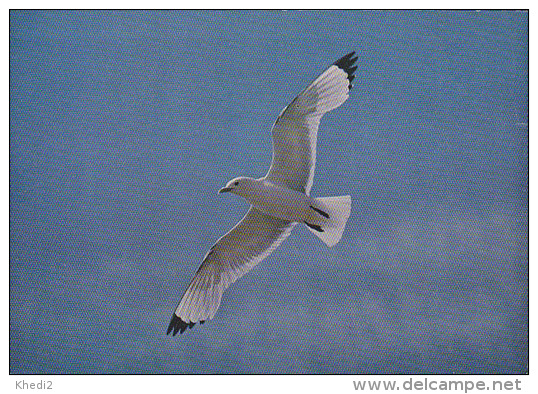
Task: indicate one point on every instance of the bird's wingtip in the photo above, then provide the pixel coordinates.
(346, 63)
(177, 325)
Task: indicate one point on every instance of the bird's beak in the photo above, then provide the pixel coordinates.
(225, 190)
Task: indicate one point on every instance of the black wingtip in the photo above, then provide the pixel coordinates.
(346, 64)
(177, 325)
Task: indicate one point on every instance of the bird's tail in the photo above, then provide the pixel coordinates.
(338, 210)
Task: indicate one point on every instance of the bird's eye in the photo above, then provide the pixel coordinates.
(236, 183)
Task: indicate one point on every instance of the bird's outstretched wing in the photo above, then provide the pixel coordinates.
(295, 131)
(249, 242)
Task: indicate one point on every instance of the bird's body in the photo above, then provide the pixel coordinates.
(278, 201)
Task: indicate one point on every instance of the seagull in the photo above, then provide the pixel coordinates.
(278, 201)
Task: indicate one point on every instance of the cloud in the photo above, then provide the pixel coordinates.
(447, 282)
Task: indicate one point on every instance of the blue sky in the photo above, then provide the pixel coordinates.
(124, 125)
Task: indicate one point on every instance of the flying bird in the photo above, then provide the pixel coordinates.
(278, 201)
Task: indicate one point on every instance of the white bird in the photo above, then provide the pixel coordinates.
(278, 201)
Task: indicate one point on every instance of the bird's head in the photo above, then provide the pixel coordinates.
(237, 185)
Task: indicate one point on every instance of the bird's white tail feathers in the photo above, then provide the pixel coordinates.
(338, 209)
